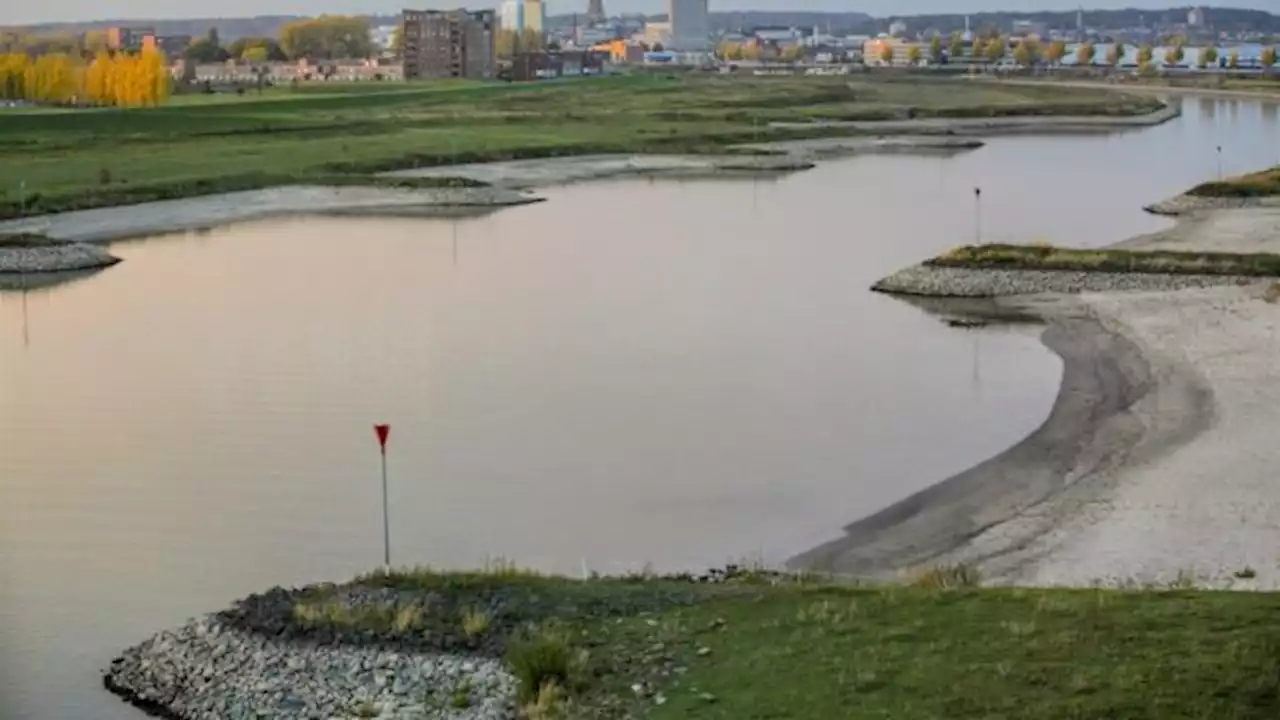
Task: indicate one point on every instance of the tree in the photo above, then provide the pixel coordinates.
(1208, 56)
(206, 51)
(1233, 59)
(955, 46)
(326, 38)
(995, 49)
(1145, 54)
(255, 55)
(886, 54)
(1027, 53)
(94, 41)
(396, 45)
(1268, 58)
(270, 47)
(1085, 54)
(914, 55)
(1057, 50)
(1175, 54)
(1114, 53)
(935, 50)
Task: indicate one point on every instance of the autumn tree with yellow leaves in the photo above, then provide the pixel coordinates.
(120, 79)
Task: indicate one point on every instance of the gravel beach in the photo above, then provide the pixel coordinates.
(55, 258)
(1154, 465)
(208, 670)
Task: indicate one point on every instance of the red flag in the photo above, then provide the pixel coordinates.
(382, 432)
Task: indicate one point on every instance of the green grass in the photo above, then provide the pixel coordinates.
(93, 157)
(1264, 183)
(988, 654)
(25, 240)
(1043, 257)
(763, 646)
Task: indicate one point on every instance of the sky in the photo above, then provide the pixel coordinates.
(21, 12)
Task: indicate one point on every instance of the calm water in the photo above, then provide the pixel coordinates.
(670, 373)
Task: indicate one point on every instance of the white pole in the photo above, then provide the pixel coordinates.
(386, 523)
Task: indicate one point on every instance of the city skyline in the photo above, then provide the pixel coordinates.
(85, 11)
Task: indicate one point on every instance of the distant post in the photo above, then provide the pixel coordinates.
(1219, 163)
(382, 431)
(977, 216)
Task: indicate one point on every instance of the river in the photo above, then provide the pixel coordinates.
(668, 373)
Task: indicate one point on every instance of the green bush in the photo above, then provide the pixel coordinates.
(540, 660)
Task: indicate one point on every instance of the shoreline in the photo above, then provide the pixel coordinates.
(1144, 88)
(108, 224)
(1104, 375)
(1142, 470)
(837, 139)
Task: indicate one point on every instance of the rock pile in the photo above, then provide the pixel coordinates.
(209, 670)
(54, 258)
(1188, 204)
(938, 281)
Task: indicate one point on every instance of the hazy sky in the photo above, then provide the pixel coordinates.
(17, 12)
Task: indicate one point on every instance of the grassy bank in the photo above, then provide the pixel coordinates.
(758, 645)
(1264, 183)
(1037, 257)
(110, 195)
(94, 157)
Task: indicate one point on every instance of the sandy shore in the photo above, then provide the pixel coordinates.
(115, 223)
(1156, 462)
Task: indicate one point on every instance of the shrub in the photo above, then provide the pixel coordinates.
(475, 623)
(408, 619)
(948, 577)
(548, 705)
(538, 661)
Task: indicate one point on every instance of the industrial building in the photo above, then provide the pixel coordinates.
(449, 43)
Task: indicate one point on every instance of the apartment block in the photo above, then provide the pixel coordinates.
(449, 43)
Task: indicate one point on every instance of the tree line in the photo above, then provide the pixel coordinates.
(1030, 52)
(327, 37)
(108, 79)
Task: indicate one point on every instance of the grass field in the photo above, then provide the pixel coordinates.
(72, 159)
(1038, 257)
(768, 646)
(1263, 183)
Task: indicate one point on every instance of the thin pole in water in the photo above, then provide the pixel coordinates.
(382, 431)
(977, 216)
(1219, 163)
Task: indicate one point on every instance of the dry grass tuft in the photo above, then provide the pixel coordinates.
(475, 623)
(549, 703)
(947, 577)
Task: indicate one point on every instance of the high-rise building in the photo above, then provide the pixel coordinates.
(690, 28)
(595, 11)
(449, 43)
(524, 15)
